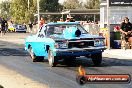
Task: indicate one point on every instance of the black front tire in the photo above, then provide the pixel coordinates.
(52, 59)
(97, 59)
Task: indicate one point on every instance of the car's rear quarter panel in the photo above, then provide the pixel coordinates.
(39, 45)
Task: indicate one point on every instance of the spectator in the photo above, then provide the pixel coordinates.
(61, 19)
(11, 26)
(72, 20)
(126, 30)
(4, 25)
(42, 21)
(69, 19)
(24, 26)
(30, 27)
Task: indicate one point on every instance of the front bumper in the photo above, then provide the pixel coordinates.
(79, 51)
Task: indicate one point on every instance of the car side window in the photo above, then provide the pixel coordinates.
(50, 30)
(41, 33)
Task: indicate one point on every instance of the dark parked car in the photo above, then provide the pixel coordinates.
(20, 28)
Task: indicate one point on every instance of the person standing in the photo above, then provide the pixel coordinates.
(4, 26)
(30, 27)
(11, 27)
(68, 18)
(42, 21)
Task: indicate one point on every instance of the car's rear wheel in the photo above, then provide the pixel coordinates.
(97, 59)
(32, 55)
(51, 58)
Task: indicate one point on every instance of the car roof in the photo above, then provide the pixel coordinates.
(66, 23)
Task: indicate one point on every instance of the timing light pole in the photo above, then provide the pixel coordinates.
(28, 4)
(38, 12)
(108, 25)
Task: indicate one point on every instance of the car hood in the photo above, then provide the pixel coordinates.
(82, 36)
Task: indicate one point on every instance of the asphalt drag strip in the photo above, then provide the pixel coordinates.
(15, 58)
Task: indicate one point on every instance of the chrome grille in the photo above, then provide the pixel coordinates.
(81, 44)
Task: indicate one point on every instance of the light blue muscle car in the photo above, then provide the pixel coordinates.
(64, 41)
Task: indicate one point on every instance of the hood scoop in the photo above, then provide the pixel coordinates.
(71, 32)
(77, 33)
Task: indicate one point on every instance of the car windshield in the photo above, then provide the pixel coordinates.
(58, 29)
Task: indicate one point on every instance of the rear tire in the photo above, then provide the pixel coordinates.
(32, 55)
(97, 59)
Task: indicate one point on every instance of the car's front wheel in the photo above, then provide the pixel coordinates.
(52, 59)
(97, 59)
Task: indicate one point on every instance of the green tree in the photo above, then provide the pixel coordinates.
(5, 11)
(20, 11)
(49, 6)
(71, 4)
(92, 4)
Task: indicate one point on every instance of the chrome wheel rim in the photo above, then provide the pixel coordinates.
(51, 58)
(31, 53)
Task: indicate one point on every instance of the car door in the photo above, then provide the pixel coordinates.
(39, 44)
(43, 42)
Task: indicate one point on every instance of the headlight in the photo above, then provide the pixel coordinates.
(99, 42)
(61, 45)
(102, 42)
(56, 45)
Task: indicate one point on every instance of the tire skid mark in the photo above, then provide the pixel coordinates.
(12, 52)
